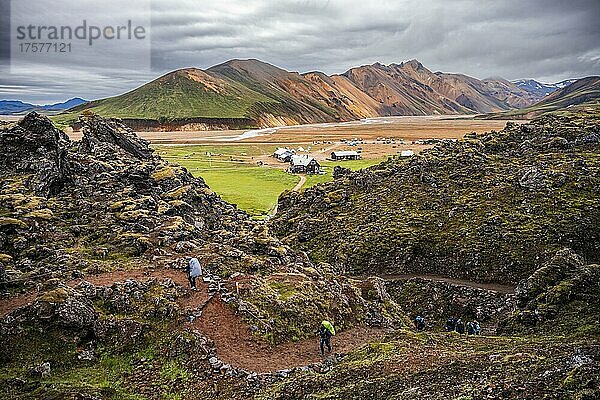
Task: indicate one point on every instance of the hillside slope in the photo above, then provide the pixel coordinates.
(525, 192)
(185, 93)
(290, 89)
(399, 94)
(584, 90)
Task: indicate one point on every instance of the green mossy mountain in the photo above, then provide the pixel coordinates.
(183, 94)
(489, 208)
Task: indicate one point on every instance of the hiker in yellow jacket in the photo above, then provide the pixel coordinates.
(326, 331)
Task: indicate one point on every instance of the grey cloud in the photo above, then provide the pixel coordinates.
(548, 40)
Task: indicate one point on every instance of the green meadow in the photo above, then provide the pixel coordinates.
(234, 173)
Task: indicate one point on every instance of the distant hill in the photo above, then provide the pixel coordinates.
(15, 107)
(579, 95)
(185, 93)
(254, 93)
(411, 89)
(65, 105)
(10, 107)
(581, 91)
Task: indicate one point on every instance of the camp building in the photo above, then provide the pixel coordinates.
(304, 164)
(345, 155)
(283, 154)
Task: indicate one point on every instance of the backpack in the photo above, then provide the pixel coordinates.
(329, 326)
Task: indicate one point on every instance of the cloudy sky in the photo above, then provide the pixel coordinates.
(547, 40)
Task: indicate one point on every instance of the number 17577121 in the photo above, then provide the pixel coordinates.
(47, 47)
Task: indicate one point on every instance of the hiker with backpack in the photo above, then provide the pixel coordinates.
(450, 324)
(477, 327)
(419, 323)
(470, 328)
(325, 331)
(460, 326)
(193, 270)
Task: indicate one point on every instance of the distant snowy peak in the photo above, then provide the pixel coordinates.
(539, 88)
(564, 83)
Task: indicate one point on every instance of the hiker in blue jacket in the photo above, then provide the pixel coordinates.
(419, 323)
(193, 270)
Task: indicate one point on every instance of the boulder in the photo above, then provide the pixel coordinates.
(101, 137)
(34, 145)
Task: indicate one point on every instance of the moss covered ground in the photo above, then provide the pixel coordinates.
(488, 208)
(409, 365)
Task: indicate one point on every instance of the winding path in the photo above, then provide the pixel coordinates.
(296, 188)
(234, 341)
(299, 184)
(236, 345)
(505, 289)
(233, 338)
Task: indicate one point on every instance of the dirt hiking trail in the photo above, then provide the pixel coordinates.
(233, 339)
(494, 287)
(300, 183)
(237, 346)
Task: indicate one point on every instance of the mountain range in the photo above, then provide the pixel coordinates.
(252, 93)
(580, 95)
(16, 107)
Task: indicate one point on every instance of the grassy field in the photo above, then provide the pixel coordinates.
(253, 189)
(232, 172)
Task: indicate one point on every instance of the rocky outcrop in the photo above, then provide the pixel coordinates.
(489, 208)
(100, 136)
(36, 149)
(561, 296)
(436, 301)
(106, 196)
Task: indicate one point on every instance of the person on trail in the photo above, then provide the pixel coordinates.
(450, 324)
(477, 327)
(419, 323)
(470, 328)
(326, 331)
(460, 326)
(193, 270)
